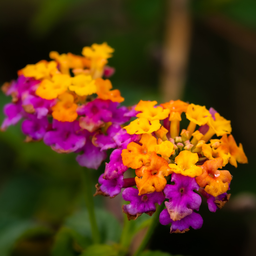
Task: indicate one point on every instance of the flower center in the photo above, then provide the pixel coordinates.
(144, 198)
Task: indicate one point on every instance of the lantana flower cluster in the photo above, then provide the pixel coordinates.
(67, 104)
(172, 166)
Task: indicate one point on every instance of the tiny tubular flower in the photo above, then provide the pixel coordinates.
(98, 55)
(144, 104)
(215, 149)
(150, 112)
(220, 125)
(161, 133)
(142, 125)
(185, 164)
(176, 106)
(164, 148)
(217, 125)
(83, 85)
(40, 70)
(65, 109)
(69, 61)
(104, 91)
(151, 178)
(137, 155)
(50, 90)
(98, 50)
(197, 115)
(237, 153)
(214, 181)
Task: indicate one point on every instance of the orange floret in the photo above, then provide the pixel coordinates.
(152, 177)
(83, 85)
(98, 54)
(40, 70)
(69, 61)
(136, 155)
(219, 126)
(177, 107)
(52, 89)
(161, 133)
(150, 112)
(185, 164)
(197, 115)
(142, 125)
(65, 109)
(104, 91)
(214, 181)
(98, 50)
(237, 153)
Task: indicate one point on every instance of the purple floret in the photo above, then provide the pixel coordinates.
(65, 137)
(122, 138)
(35, 128)
(92, 156)
(109, 187)
(215, 203)
(115, 167)
(140, 204)
(106, 141)
(13, 113)
(182, 198)
(40, 106)
(96, 110)
(193, 220)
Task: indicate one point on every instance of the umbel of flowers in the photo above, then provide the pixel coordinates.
(67, 104)
(173, 166)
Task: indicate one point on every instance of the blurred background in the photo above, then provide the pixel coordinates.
(201, 51)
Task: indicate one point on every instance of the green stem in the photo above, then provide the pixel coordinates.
(125, 236)
(87, 186)
(150, 231)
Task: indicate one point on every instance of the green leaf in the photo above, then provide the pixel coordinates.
(63, 244)
(109, 227)
(11, 229)
(132, 227)
(100, 250)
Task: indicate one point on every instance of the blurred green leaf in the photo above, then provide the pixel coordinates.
(109, 227)
(131, 229)
(100, 250)
(63, 244)
(37, 232)
(11, 229)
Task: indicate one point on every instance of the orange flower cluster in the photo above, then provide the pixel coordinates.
(164, 149)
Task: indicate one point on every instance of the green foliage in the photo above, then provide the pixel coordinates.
(11, 229)
(64, 243)
(101, 250)
(132, 228)
(109, 227)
